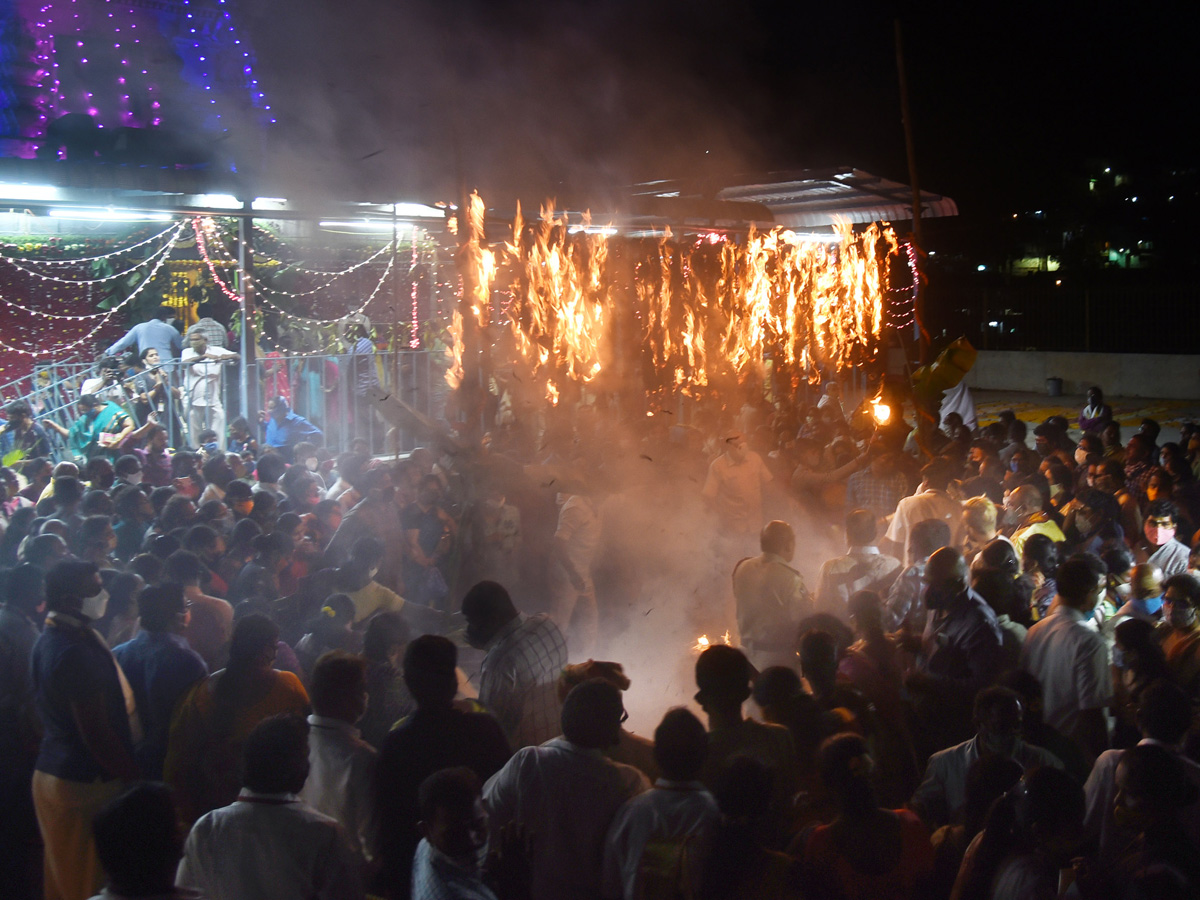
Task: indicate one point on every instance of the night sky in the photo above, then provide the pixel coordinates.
(577, 99)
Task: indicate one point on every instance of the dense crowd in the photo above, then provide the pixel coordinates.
(258, 671)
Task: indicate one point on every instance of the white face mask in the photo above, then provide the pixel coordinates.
(95, 607)
(1055, 490)
(135, 478)
(311, 464)
(374, 571)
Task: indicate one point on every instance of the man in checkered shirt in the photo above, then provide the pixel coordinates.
(525, 654)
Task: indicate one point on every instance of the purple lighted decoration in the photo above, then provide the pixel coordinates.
(56, 24)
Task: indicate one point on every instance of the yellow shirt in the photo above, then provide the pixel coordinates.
(372, 599)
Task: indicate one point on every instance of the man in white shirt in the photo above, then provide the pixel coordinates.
(202, 368)
(268, 845)
(661, 839)
(341, 764)
(1070, 659)
(567, 793)
(929, 502)
(942, 795)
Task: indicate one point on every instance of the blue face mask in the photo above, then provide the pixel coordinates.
(1118, 657)
(1013, 465)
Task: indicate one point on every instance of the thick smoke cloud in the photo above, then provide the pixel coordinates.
(378, 99)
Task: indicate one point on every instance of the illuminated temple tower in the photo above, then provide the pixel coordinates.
(149, 82)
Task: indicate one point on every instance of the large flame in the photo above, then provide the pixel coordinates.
(686, 317)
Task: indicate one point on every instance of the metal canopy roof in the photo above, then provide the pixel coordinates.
(849, 195)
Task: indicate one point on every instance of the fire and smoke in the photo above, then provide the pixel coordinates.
(692, 318)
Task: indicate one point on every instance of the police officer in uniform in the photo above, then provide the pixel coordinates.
(771, 599)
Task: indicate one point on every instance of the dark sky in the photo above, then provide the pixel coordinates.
(561, 97)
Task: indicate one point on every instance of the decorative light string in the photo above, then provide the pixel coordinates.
(102, 280)
(160, 256)
(106, 316)
(414, 333)
(16, 260)
(354, 312)
(202, 246)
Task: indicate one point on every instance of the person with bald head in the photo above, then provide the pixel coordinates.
(1023, 511)
(962, 648)
(771, 598)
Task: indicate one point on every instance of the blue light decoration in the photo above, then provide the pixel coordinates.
(103, 58)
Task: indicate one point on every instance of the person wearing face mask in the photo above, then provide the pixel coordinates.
(23, 590)
(1180, 629)
(357, 580)
(1070, 659)
(90, 723)
(962, 648)
(1024, 513)
(128, 471)
(1161, 548)
(943, 794)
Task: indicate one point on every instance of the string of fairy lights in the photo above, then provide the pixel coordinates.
(104, 278)
(104, 317)
(207, 236)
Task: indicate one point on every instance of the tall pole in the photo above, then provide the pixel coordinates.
(909, 148)
(245, 273)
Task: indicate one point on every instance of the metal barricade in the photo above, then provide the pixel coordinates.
(346, 395)
(335, 392)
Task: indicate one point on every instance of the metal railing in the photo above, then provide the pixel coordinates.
(346, 395)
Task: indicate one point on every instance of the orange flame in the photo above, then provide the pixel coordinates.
(454, 352)
(703, 643)
(712, 309)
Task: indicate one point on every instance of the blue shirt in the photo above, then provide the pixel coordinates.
(69, 664)
(285, 435)
(160, 667)
(156, 333)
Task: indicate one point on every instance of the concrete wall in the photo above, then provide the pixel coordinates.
(1162, 377)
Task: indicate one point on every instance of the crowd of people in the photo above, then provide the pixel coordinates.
(259, 671)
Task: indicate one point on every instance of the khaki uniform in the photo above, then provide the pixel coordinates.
(771, 601)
